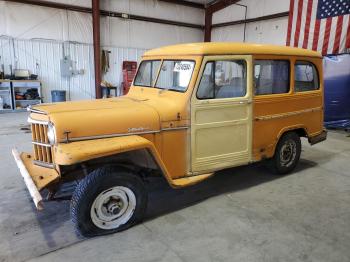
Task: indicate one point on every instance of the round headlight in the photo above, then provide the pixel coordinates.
(51, 134)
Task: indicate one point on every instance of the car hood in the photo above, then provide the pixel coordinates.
(141, 111)
(100, 118)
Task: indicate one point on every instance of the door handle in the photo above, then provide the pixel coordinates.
(245, 102)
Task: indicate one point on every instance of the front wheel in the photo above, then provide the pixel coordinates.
(108, 200)
(287, 153)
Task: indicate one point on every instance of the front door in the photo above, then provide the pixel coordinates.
(221, 114)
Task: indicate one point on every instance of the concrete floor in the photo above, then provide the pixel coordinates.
(241, 214)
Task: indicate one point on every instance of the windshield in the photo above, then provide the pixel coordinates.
(174, 74)
(147, 73)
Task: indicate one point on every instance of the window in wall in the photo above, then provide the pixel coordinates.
(175, 75)
(306, 77)
(271, 77)
(147, 73)
(223, 79)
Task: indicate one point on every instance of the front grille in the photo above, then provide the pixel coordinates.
(42, 147)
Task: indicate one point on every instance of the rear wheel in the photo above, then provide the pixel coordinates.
(108, 200)
(287, 153)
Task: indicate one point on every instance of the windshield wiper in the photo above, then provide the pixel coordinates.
(169, 89)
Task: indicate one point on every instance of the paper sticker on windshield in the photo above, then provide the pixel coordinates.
(183, 66)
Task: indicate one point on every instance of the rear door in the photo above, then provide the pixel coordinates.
(221, 114)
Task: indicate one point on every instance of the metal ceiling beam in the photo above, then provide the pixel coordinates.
(210, 9)
(220, 4)
(53, 5)
(185, 3)
(208, 26)
(152, 20)
(251, 20)
(105, 13)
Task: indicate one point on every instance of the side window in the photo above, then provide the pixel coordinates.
(271, 77)
(306, 77)
(223, 79)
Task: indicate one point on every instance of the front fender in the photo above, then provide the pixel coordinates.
(81, 151)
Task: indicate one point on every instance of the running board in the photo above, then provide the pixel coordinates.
(190, 180)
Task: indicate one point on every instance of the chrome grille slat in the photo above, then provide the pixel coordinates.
(46, 140)
(34, 139)
(49, 154)
(41, 134)
(41, 144)
(40, 155)
(44, 154)
(42, 148)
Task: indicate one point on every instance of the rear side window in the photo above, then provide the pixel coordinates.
(271, 77)
(306, 77)
(223, 79)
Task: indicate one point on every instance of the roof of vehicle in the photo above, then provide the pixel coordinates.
(224, 48)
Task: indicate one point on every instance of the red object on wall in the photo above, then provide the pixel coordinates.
(129, 72)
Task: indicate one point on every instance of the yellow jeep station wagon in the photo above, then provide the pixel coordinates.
(193, 109)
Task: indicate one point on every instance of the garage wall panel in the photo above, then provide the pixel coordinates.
(28, 22)
(154, 8)
(2, 18)
(37, 38)
(264, 32)
(231, 13)
(81, 86)
(43, 58)
(79, 28)
(151, 8)
(117, 56)
(6, 53)
(228, 34)
(160, 35)
(272, 31)
(255, 8)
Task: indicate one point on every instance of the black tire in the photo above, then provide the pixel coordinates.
(284, 161)
(96, 183)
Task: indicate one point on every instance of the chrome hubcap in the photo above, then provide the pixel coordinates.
(113, 207)
(288, 153)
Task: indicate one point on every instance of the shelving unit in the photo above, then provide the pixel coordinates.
(6, 95)
(8, 90)
(22, 86)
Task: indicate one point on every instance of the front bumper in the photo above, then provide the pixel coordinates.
(35, 177)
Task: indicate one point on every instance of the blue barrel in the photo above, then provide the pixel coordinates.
(337, 91)
(58, 96)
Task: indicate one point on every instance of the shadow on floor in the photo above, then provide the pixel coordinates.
(163, 199)
(55, 216)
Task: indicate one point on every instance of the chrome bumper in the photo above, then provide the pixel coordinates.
(34, 192)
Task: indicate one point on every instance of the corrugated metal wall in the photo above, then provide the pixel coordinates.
(6, 53)
(42, 57)
(271, 31)
(117, 56)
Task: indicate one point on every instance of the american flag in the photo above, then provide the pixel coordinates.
(320, 25)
